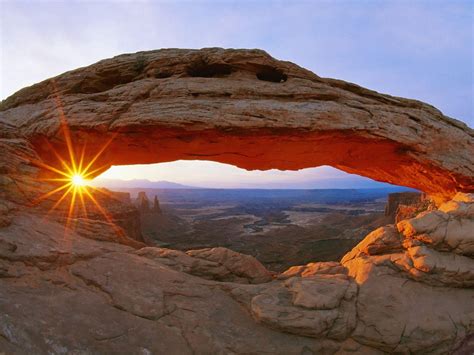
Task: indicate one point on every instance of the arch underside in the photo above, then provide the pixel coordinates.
(355, 153)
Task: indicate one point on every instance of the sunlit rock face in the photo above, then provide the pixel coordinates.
(396, 203)
(84, 288)
(416, 282)
(245, 108)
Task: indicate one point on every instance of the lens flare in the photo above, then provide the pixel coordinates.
(72, 174)
(78, 181)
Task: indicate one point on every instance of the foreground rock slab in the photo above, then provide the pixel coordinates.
(394, 293)
(83, 295)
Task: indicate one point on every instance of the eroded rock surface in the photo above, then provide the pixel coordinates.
(317, 306)
(219, 264)
(81, 295)
(416, 282)
(395, 292)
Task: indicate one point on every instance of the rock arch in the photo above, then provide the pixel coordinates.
(405, 288)
(245, 108)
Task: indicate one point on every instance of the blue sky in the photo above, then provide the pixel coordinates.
(416, 49)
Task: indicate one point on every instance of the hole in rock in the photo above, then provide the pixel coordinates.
(271, 74)
(282, 218)
(201, 68)
(162, 74)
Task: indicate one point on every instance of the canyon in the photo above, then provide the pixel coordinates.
(280, 228)
(82, 284)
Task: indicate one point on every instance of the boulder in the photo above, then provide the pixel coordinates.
(220, 264)
(316, 306)
(311, 269)
(444, 231)
(240, 265)
(383, 240)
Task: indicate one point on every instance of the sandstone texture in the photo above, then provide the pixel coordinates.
(394, 293)
(401, 198)
(242, 107)
(88, 284)
(414, 260)
(216, 264)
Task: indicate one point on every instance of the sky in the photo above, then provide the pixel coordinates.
(209, 174)
(417, 49)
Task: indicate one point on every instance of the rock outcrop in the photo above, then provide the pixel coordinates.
(404, 289)
(156, 206)
(218, 264)
(83, 285)
(142, 202)
(406, 205)
(394, 200)
(222, 104)
(121, 211)
(428, 258)
(319, 306)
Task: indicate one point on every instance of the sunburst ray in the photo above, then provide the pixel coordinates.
(72, 174)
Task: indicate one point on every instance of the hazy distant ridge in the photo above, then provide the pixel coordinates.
(140, 183)
(355, 182)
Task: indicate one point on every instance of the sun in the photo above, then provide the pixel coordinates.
(78, 180)
(72, 174)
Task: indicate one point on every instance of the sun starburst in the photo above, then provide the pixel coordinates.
(78, 181)
(71, 176)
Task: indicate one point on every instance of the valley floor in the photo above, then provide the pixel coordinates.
(279, 230)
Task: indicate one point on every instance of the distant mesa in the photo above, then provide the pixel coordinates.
(399, 198)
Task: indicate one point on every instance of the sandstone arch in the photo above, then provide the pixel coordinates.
(406, 288)
(245, 108)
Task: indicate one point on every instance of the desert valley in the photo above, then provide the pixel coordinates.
(280, 228)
